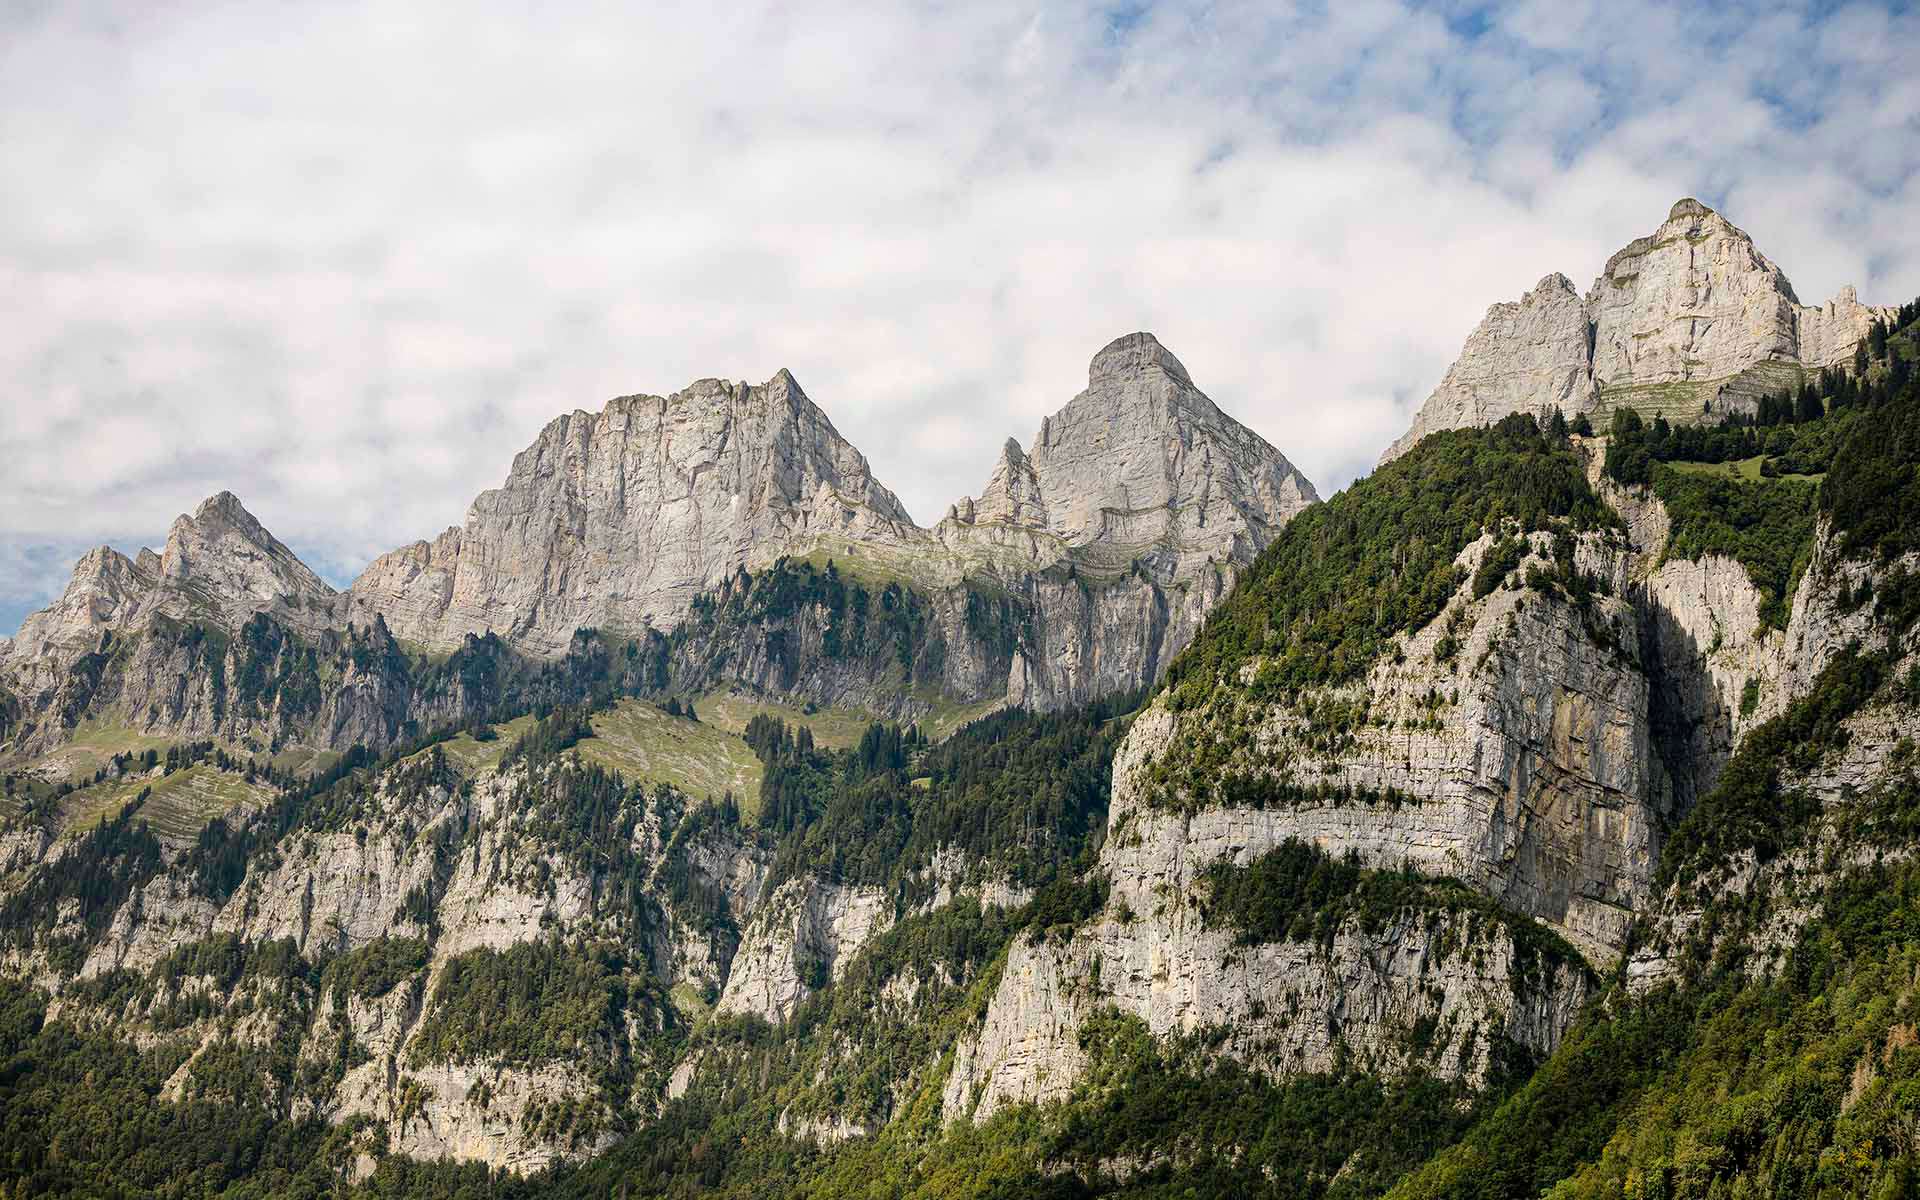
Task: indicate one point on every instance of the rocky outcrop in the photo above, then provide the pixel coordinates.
(800, 940)
(618, 519)
(1131, 516)
(1532, 355)
(1688, 322)
(220, 566)
(1140, 465)
(1289, 1008)
(1518, 759)
(1084, 568)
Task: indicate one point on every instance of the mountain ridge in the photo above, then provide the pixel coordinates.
(620, 520)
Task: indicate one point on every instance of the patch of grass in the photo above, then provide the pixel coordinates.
(833, 728)
(1747, 470)
(178, 806)
(689, 1001)
(950, 717)
(304, 760)
(699, 758)
(471, 756)
(91, 747)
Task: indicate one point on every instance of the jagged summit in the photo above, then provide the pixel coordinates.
(1142, 462)
(1686, 207)
(219, 565)
(1689, 321)
(618, 519)
(1133, 353)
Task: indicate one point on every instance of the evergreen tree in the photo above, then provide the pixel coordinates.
(1808, 407)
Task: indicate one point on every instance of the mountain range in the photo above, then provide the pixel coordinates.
(1536, 815)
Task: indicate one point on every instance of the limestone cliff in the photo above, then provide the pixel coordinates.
(220, 565)
(1688, 321)
(618, 519)
(1082, 571)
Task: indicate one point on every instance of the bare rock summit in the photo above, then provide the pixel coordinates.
(1140, 465)
(1687, 322)
(618, 519)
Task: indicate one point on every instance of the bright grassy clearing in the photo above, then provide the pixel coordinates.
(178, 806)
(700, 758)
(471, 757)
(837, 728)
(92, 747)
(1746, 470)
(948, 718)
(834, 728)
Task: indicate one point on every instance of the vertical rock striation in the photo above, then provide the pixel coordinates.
(618, 519)
(1687, 322)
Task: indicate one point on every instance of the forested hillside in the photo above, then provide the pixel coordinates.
(1537, 816)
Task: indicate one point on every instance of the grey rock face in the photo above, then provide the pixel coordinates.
(1101, 551)
(220, 566)
(1140, 464)
(618, 519)
(801, 937)
(1689, 321)
(1522, 765)
(1135, 510)
(1528, 355)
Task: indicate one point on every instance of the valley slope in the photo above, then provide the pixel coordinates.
(1535, 816)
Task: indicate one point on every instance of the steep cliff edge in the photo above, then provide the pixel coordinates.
(618, 519)
(1690, 321)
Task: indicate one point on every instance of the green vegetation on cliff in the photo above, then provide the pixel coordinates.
(1299, 893)
(1323, 601)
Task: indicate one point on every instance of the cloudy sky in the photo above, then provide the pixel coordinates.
(347, 260)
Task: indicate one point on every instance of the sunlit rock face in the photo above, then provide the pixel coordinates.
(1687, 322)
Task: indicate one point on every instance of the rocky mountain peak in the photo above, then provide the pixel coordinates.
(1133, 355)
(1687, 208)
(1142, 463)
(103, 592)
(1688, 322)
(220, 566)
(618, 519)
(221, 562)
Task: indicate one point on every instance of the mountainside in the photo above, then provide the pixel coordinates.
(618, 519)
(724, 538)
(1688, 322)
(1536, 816)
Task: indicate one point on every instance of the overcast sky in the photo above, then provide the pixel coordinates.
(346, 260)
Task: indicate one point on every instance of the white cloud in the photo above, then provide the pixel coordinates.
(346, 260)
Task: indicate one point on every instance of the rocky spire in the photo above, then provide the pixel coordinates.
(1526, 356)
(1142, 463)
(1688, 321)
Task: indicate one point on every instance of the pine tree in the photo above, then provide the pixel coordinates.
(1809, 407)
